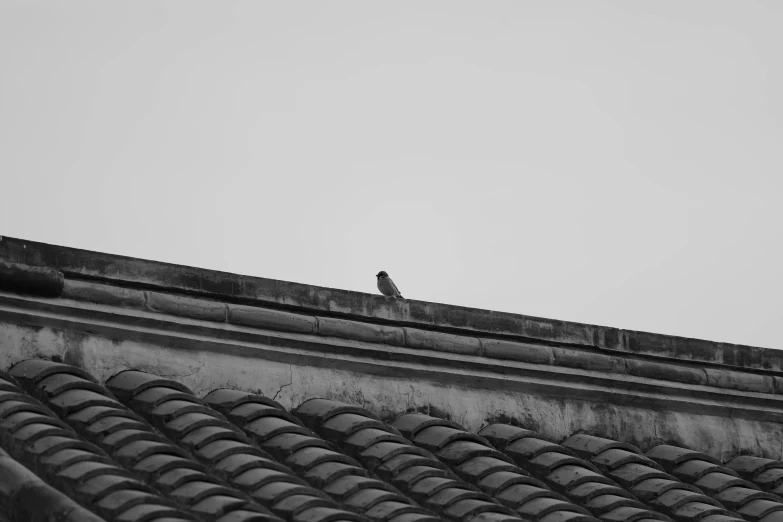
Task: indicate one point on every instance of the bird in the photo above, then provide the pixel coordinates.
(387, 286)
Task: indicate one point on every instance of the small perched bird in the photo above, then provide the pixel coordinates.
(387, 286)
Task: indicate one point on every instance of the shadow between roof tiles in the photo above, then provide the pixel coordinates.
(196, 425)
(223, 448)
(147, 449)
(475, 458)
(765, 473)
(25, 497)
(35, 436)
(128, 471)
(646, 479)
(315, 459)
(724, 483)
(384, 451)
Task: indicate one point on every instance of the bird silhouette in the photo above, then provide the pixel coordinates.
(387, 286)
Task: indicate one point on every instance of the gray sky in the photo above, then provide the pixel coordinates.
(616, 163)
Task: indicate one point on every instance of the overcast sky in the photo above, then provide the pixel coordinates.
(616, 163)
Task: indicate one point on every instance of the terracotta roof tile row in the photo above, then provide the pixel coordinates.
(721, 482)
(223, 447)
(155, 469)
(475, 458)
(24, 496)
(32, 434)
(145, 449)
(265, 423)
(413, 470)
(765, 473)
(645, 478)
(317, 461)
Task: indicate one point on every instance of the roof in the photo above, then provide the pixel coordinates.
(133, 391)
(142, 447)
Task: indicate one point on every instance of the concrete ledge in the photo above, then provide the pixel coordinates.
(283, 321)
(25, 279)
(312, 300)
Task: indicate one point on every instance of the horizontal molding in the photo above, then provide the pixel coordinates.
(170, 278)
(309, 349)
(33, 280)
(403, 336)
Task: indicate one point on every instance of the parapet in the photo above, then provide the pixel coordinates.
(291, 341)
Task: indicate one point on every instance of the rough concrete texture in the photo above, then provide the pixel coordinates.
(186, 306)
(280, 320)
(272, 319)
(589, 361)
(33, 280)
(75, 263)
(416, 338)
(740, 380)
(109, 295)
(368, 332)
(388, 396)
(524, 352)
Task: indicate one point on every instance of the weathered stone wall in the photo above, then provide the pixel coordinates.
(617, 363)
(294, 342)
(471, 398)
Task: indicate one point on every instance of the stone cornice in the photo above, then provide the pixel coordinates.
(498, 334)
(618, 363)
(373, 358)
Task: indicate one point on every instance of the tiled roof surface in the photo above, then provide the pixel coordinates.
(143, 448)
